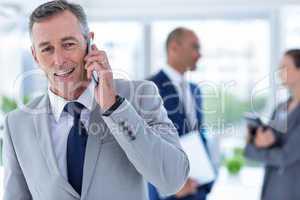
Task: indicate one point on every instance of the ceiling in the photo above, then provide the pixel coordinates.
(111, 8)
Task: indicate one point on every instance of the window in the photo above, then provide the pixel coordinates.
(235, 62)
(123, 43)
(291, 27)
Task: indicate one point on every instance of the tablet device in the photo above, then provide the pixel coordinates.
(253, 121)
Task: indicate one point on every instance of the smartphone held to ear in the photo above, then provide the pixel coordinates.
(89, 49)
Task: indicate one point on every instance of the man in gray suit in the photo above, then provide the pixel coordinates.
(87, 139)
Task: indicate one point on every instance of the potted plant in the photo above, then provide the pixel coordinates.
(235, 163)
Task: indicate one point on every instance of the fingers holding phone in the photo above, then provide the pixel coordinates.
(96, 60)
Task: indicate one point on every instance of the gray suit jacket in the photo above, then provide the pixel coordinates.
(136, 144)
(282, 161)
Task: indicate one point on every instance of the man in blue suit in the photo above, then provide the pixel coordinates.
(182, 101)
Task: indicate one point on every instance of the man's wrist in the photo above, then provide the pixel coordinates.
(111, 109)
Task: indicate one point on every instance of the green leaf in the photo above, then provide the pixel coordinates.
(8, 104)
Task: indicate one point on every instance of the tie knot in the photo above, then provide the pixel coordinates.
(74, 108)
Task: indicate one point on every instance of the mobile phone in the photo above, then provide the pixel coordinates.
(89, 49)
(254, 122)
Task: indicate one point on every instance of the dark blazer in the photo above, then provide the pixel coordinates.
(282, 161)
(176, 113)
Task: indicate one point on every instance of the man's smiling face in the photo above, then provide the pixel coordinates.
(59, 48)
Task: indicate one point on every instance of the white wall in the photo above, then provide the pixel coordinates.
(12, 55)
(159, 8)
(155, 8)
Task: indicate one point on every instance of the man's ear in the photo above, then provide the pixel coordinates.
(34, 54)
(174, 46)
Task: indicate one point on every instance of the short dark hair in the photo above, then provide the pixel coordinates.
(55, 7)
(295, 55)
(175, 35)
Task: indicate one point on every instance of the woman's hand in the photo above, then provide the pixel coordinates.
(264, 138)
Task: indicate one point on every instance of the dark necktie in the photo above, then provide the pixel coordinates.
(186, 103)
(76, 146)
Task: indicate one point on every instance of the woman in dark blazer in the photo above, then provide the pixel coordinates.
(278, 147)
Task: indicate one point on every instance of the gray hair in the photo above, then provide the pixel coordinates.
(55, 7)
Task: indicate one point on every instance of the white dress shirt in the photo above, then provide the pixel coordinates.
(62, 122)
(185, 96)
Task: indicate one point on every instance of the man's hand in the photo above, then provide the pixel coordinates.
(264, 138)
(105, 92)
(190, 187)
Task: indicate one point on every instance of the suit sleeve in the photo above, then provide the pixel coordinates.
(15, 186)
(278, 156)
(150, 140)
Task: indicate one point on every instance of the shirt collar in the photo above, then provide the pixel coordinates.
(174, 75)
(58, 103)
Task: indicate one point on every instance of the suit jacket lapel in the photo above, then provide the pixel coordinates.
(168, 90)
(197, 98)
(196, 93)
(172, 103)
(96, 134)
(41, 122)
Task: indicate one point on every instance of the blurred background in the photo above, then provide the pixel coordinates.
(241, 41)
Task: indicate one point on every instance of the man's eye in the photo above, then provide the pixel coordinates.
(196, 47)
(47, 49)
(69, 45)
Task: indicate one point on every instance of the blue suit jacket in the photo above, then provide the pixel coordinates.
(177, 115)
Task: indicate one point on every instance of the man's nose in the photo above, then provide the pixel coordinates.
(58, 57)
